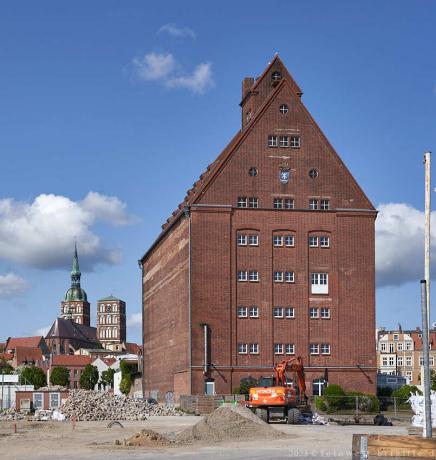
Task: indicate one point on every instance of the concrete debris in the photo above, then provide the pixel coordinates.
(146, 438)
(94, 405)
(11, 415)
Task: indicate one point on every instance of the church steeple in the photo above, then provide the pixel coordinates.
(75, 292)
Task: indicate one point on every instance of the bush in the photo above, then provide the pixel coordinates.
(366, 403)
(384, 392)
(334, 397)
(320, 404)
(127, 371)
(405, 391)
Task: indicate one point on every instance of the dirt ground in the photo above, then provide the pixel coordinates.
(94, 441)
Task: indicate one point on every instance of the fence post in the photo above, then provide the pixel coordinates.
(357, 406)
(395, 406)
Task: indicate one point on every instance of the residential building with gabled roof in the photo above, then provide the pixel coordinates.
(269, 256)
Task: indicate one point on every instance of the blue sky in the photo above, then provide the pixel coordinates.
(110, 110)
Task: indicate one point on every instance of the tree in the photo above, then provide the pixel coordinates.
(127, 371)
(404, 392)
(107, 377)
(35, 376)
(60, 376)
(6, 368)
(89, 377)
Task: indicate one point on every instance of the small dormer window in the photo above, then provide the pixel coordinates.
(276, 76)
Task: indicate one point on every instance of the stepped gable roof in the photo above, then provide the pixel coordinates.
(68, 329)
(28, 342)
(215, 167)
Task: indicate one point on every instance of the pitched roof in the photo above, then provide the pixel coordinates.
(23, 354)
(132, 348)
(71, 360)
(29, 342)
(108, 361)
(418, 340)
(68, 329)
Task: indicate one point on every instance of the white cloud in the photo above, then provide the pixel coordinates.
(135, 320)
(163, 68)
(178, 31)
(42, 233)
(198, 81)
(400, 244)
(154, 66)
(12, 285)
(42, 331)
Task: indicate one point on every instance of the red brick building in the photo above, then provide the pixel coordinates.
(270, 255)
(74, 363)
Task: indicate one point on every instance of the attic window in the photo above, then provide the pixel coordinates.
(283, 109)
(276, 76)
(313, 173)
(252, 172)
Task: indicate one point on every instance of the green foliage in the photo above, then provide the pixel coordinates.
(34, 376)
(334, 397)
(405, 391)
(89, 377)
(107, 377)
(6, 368)
(60, 376)
(433, 380)
(384, 392)
(320, 404)
(245, 384)
(126, 384)
(366, 402)
(127, 371)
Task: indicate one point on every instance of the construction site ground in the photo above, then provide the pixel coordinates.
(95, 441)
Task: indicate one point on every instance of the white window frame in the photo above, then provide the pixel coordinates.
(273, 141)
(396, 337)
(253, 311)
(314, 348)
(58, 397)
(253, 276)
(278, 312)
(284, 141)
(242, 239)
(325, 348)
(409, 361)
(409, 345)
(277, 240)
(253, 202)
(38, 396)
(289, 312)
(391, 361)
(319, 283)
(289, 349)
(283, 109)
(324, 242)
(313, 204)
(289, 277)
(421, 360)
(383, 346)
(400, 346)
(242, 202)
(400, 361)
(253, 240)
(289, 241)
(242, 348)
(325, 313)
(289, 203)
(254, 348)
(278, 348)
(278, 203)
(295, 142)
(313, 313)
(278, 277)
(313, 241)
(385, 361)
(324, 204)
(242, 276)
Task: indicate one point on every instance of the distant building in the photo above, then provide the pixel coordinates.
(111, 322)
(26, 342)
(75, 364)
(75, 303)
(400, 353)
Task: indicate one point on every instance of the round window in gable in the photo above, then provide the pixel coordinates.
(252, 171)
(284, 109)
(313, 173)
(276, 76)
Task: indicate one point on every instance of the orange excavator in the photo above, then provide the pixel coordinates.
(282, 395)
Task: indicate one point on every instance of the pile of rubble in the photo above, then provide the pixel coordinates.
(94, 405)
(11, 415)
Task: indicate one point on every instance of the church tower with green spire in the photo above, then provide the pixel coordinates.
(75, 305)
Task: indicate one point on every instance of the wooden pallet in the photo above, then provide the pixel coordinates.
(373, 446)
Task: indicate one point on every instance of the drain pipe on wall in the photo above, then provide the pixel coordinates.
(206, 350)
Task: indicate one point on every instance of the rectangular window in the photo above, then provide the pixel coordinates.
(421, 360)
(254, 312)
(325, 313)
(242, 202)
(431, 360)
(325, 348)
(409, 346)
(272, 141)
(284, 141)
(391, 361)
(290, 312)
(278, 203)
(242, 312)
(400, 346)
(289, 241)
(313, 241)
(254, 348)
(242, 275)
(253, 276)
(313, 312)
(54, 400)
(278, 312)
(278, 240)
(278, 277)
(313, 204)
(324, 205)
(314, 349)
(408, 360)
(289, 277)
(396, 336)
(289, 203)
(242, 239)
(242, 348)
(324, 241)
(253, 240)
(37, 400)
(278, 348)
(295, 142)
(319, 282)
(290, 349)
(383, 346)
(384, 361)
(253, 202)
(400, 361)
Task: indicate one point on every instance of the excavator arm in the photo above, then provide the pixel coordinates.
(291, 365)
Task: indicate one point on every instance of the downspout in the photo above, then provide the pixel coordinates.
(187, 213)
(206, 351)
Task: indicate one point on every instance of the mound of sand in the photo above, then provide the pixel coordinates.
(147, 438)
(228, 423)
